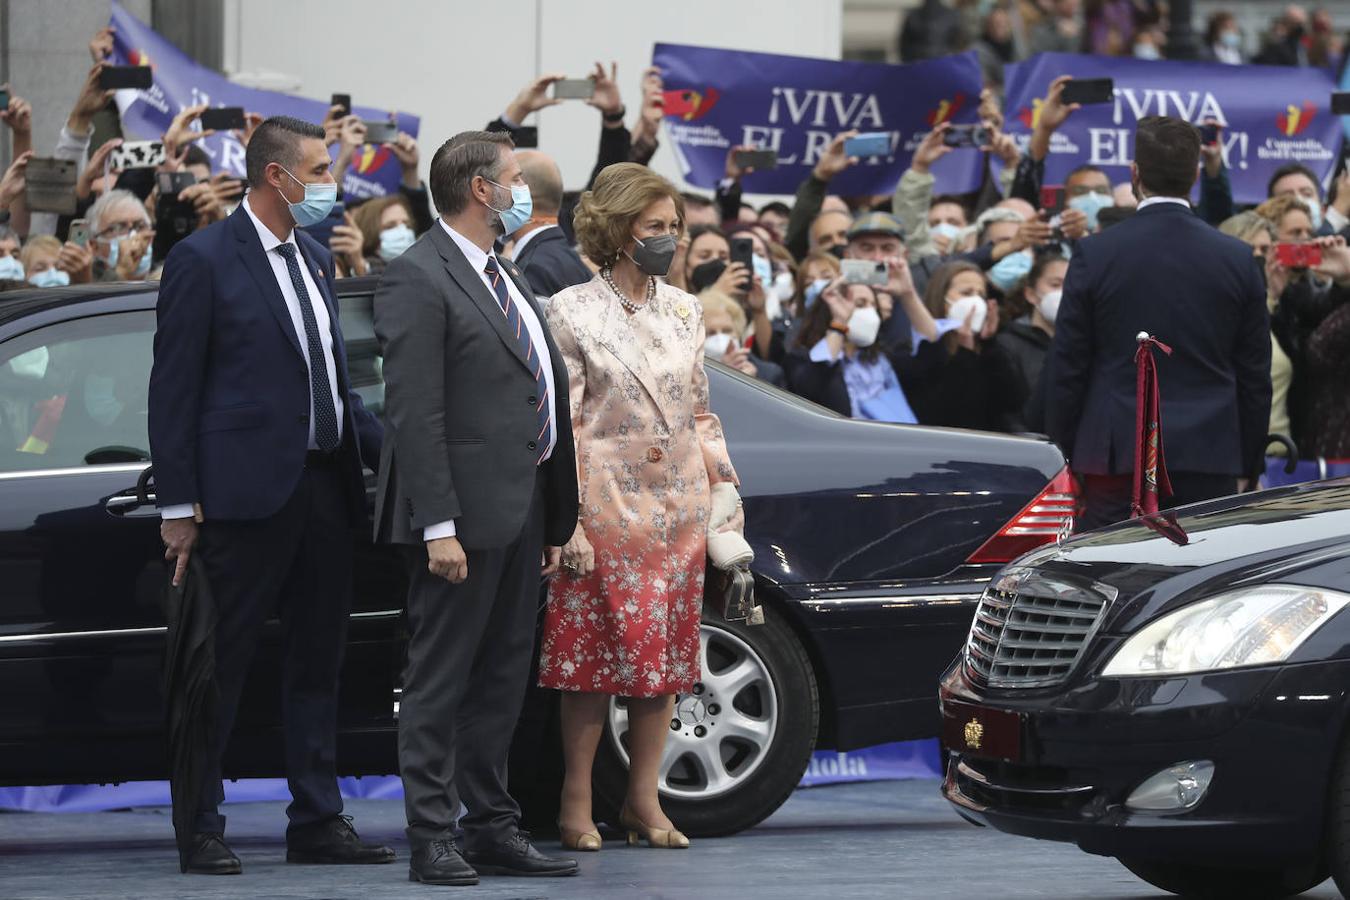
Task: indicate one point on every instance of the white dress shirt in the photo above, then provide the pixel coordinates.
(478, 259)
(270, 243)
(1154, 201)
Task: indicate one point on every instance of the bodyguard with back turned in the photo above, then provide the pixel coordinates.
(258, 443)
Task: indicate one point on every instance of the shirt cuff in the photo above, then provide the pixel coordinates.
(820, 353)
(508, 123)
(177, 511)
(439, 531)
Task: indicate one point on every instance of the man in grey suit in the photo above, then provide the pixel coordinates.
(478, 478)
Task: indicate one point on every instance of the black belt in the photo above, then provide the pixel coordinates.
(315, 459)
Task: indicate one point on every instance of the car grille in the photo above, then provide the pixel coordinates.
(1032, 632)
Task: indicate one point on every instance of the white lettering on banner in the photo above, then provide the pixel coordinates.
(697, 135)
(1115, 147)
(232, 157)
(1194, 107)
(859, 111)
(1300, 151)
(357, 186)
(822, 766)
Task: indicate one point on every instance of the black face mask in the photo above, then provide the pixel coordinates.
(838, 250)
(705, 275)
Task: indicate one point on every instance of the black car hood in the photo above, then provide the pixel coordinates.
(1299, 535)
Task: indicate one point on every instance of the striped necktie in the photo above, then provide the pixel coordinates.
(544, 411)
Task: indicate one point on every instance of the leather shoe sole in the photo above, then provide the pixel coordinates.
(319, 858)
(225, 867)
(490, 869)
(450, 881)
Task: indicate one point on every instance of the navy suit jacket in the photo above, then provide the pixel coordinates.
(550, 264)
(229, 388)
(1164, 271)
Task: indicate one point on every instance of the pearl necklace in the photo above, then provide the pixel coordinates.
(607, 274)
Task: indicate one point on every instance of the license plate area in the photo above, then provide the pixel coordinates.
(981, 731)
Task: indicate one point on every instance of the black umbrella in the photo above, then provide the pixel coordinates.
(189, 692)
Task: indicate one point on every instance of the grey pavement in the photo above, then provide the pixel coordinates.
(885, 839)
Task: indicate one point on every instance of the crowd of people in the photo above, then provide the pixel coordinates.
(955, 332)
(1006, 31)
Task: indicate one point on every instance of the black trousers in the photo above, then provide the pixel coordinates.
(469, 651)
(1106, 498)
(297, 562)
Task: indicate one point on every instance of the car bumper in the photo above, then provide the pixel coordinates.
(1075, 756)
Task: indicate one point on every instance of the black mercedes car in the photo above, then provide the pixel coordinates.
(873, 543)
(1172, 691)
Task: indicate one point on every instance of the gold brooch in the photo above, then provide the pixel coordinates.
(682, 310)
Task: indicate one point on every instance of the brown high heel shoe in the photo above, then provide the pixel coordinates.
(585, 841)
(663, 838)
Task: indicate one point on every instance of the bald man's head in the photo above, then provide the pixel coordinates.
(541, 173)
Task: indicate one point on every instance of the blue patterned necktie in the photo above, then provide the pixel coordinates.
(325, 414)
(544, 411)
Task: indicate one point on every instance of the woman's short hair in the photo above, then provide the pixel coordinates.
(1276, 208)
(714, 300)
(40, 243)
(605, 214)
(1246, 225)
(367, 218)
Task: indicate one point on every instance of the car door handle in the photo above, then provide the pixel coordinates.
(131, 505)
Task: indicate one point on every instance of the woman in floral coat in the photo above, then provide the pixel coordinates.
(623, 615)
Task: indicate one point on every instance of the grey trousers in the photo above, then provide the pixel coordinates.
(469, 655)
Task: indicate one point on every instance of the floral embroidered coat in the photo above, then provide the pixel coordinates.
(648, 450)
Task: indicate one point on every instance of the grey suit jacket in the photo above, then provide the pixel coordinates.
(460, 420)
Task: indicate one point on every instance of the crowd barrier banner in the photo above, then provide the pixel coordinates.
(887, 762)
(1271, 115)
(716, 99)
(180, 82)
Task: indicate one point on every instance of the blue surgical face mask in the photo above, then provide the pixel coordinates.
(115, 253)
(763, 270)
(949, 231)
(1090, 204)
(10, 268)
(520, 210)
(100, 399)
(1231, 39)
(395, 240)
(1010, 269)
(1146, 51)
(813, 292)
(318, 202)
(1314, 211)
(52, 277)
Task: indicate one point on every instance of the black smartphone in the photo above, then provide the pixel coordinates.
(1340, 103)
(344, 101)
(170, 183)
(223, 118)
(976, 136)
(1089, 90)
(758, 159)
(743, 252)
(1209, 134)
(117, 78)
(526, 136)
(4, 99)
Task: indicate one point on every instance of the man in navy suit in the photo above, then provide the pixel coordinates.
(1166, 272)
(258, 442)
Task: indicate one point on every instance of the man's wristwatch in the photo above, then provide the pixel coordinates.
(613, 117)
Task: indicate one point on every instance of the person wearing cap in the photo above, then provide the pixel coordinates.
(879, 237)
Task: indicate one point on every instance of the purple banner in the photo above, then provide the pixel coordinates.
(1271, 115)
(180, 82)
(716, 99)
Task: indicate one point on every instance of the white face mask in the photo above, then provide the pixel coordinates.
(784, 286)
(863, 326)
(946, 229)
(716, 346)
(1050, 305)
(961, 308)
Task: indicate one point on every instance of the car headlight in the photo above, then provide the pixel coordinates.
(1249, 627)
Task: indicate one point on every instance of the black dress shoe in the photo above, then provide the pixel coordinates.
(439, 862)
(517, 856)
(212, 856)
(333, 842)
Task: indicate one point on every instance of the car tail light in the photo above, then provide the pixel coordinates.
(1040, 522)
